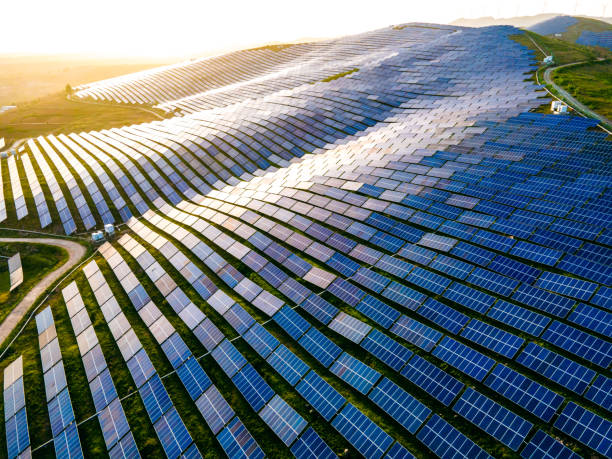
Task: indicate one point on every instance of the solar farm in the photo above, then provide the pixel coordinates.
(367, 246)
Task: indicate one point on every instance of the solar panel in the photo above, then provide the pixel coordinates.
(236, 441)
(526, 393)
(433, 380)
(322, 396)
(354, 372)
(320, 346)
(215, 409)
(367, 437)
(399, 404)
(519, 318)
(464, 358)
(445, 316)
(446, 441)
(386, 349)
(287, 364)
(505, 426)
(600, 391)
(284, 421)
(253, 387)
(492, 338)
(310, 445)
(579, 343)
(586, 427)
(545, 446)
(561, 370)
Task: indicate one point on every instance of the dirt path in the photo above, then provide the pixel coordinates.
(75, 253)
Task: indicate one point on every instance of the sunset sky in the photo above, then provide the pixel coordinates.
(196, 27)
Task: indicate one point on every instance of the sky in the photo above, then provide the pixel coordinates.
(189, 28)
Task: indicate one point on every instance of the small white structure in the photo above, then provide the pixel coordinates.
(549, 60)
(109, 229)
(558, 107)
(2, 143)
(97, 236)
(15, 271)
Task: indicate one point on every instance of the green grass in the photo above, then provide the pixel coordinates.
(37, 261)
(339, 75)
(563, 51)
(589, 83)
(54, 114)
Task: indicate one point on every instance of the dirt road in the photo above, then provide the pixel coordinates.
(75, 253)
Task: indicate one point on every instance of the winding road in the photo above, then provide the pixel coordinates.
(75, 254)
(571, 100)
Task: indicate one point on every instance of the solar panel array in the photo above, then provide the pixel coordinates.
(404, 254)
(16, 420)
(61, 415)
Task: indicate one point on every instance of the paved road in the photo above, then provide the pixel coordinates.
(75, 252)
(571, 99)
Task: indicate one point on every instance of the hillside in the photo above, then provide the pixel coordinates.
(365, 246)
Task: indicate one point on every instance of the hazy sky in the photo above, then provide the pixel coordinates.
(196, 27)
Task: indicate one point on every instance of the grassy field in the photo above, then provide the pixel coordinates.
(54, 114)
(25, 78)
(37, 260)
(590, 83)
(563, 51)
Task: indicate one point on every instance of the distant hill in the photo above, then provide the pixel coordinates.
(524, 22)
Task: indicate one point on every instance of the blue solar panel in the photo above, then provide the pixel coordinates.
(397, 451)
(428, 280)
(253, 387)
(546, 447)
(228, 357)
(320, 346)
(236, 441)
(536, 253)
(367, 438)
(67, 443)
(320, 309)
(176, 350)
(497, 421)
(592, 318)
(323, 397)
(586, 427)
(155, 398)
(215, 410)
(400, 405)
(552, 366)
(579, 343)
(386, 349)
(492, 338)
(433, 380)
(519, 318)
(310, 445)
(445, 316)
(464, 358)
(526, 393)
(600, 391)
(354, 372)
(403, 295)
(379, 312)
(543, 300)
(565, 285)
(261, 340)
(416, 333)
(494, 282)
(17, 437)
(287, 364)
(290, 321)
(447, 442)
(172, 433)
(284, 421)
(469, 297)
